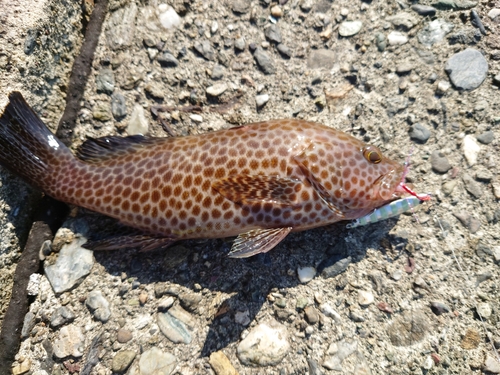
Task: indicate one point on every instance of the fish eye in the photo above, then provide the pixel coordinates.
(372, 154)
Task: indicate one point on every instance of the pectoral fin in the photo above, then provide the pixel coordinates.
(142, 242)
(257, 241)
(247, 190)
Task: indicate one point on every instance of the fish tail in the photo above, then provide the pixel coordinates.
(28, 148)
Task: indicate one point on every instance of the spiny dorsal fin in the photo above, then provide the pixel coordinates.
(95, 150)
(257, 241)
(248, 190)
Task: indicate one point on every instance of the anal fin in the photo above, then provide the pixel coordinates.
(142, 242)
(257, 241)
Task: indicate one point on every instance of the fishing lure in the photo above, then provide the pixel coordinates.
(389, 210)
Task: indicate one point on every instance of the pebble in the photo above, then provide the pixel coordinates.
(242, 317)
(380, 41)
(221, 364)
(168, 17)
(22, 367)
(471, 149)
(101, 112)
(69, 342)
(486, 138)
(442, 87)
(217, 72)
(118, 106)
(496, 79)
(439, 162)
(336, 268)
(306, 274)
(428, 363)
(396, 38)
(403, 20)
(439, 308)
(494, 13)
(273, 33)
(365, 297)
(484, 310)
(321, 59)
(408, 328)
(61, 316)
(196, 118)
(138, 124)
(154, 90)
(28, 324)
(404, 68)
(424, 10)
(284, 50)
(123, 335)
(72, 265)
(190, 301)
(311, 315)
(176, 324)
(261, 100)
(205, 49)
(240, 44)
(34, 280)
(491, 365)
(276, 11)
(472, 186)
(98, 305)
(122, 360)
(471, 339)
(484, 175)
(216, 89)
(165, 303)
(265, 345)
(468, 221)
(105, 81)
(156, 362)
(120, 28)
(240, 6)
(337, 352)
(434, 32)
(419, 133)
(167, 60)
(328, 311)
(350, 28)
(467, 69)
(264, 61)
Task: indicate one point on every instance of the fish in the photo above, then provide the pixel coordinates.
(256, 182)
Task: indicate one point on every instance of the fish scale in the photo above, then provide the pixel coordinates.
(258, 181)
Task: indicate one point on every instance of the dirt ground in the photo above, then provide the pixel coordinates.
(419, 293)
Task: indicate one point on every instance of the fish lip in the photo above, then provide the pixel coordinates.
(389, 185)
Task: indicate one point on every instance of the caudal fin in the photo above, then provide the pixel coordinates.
(27, 147)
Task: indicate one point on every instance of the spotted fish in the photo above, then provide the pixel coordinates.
(258, 182)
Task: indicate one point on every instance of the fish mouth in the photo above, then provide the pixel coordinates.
(390, 186)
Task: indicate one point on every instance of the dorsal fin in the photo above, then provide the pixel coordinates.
(96, 150)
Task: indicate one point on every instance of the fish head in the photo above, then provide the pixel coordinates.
(351, 177)
(379, 181)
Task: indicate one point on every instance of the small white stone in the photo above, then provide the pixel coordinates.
(34, 284)
(214, 27)
(306, 274)
(328, 311)
(196, 118)
(471, 149)
(443, 86)
(138, 123)
(396, 38)
(216, 89)
(428, 363)
(168, 17)
(165, 303)
(260, 100)
(309, 330)
(484, 309)
(365, 297)
(496, 254)
(350, 28)
(491, 365)
(397, 275)
(494, 13)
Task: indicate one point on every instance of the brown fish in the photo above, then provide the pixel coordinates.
(258, 181)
